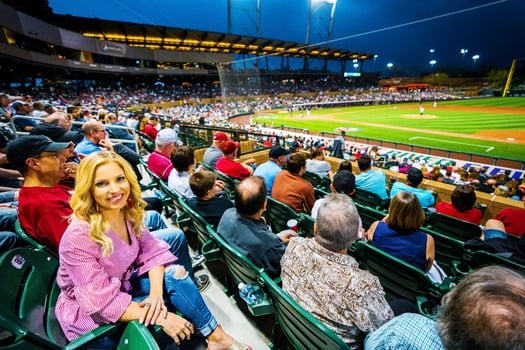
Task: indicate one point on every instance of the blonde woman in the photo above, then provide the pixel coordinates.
(112, 269)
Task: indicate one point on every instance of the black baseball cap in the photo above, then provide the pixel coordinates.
(344, 182)
(27, 146)
(277, 151)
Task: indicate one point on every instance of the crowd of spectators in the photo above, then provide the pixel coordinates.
(241, 222)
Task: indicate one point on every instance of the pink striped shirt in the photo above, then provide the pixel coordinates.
(95, 289)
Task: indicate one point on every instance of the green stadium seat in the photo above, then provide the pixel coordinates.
(449, 251)
(401, 280)
(241, 269)
(27, 315)
(369, 215)
(301, 328)
(229, 184)
(279, 213)
(480, 258)
(370, 199)
(137, 337)
(453, 227)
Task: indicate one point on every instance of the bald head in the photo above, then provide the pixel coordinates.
(250, 195)
(60, 119)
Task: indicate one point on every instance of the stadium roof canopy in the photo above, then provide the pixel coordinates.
(156, 37)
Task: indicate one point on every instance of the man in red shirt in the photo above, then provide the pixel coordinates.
(43, 204)
(229, 166)
(150, 128)
(159, 161)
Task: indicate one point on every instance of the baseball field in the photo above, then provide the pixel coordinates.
(492, 127)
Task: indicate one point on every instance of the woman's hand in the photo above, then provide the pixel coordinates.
(176, 327)
(152, 308)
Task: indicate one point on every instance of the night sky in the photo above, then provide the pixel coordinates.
(401, 32)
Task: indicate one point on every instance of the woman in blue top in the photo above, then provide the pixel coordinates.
(399, 232)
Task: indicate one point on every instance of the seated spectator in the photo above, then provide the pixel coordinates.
(229, 166)
(183, 160)
(210, 202)
(319, 274)
(399, 234)
(214, 152)
(370, 180)
(245, 229)
(290, 188)
(57, 127)
(95, 140)
(22, 113)
(269, 169)
(113, 267)
(462, 203)
(484, 311)
(150, 128)
(44, 206)
(414, 178)
(345, 165)
(513, 219)
(159, 161)
(494, 240)
(318, 165)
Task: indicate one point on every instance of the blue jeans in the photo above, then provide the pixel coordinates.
(8, 217)
(173, 236)
(9, 240)
(180, 294)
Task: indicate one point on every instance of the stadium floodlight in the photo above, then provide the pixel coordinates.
(356, 65)
(432, 63)
(463, 52)
(389, 65)
(474, 58)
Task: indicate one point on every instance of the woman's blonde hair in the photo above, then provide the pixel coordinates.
(405, 214)
(85, 207)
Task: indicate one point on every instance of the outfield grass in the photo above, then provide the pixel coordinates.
(477, 126)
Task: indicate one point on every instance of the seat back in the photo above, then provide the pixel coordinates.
(147, 142)
(241, 269)
(301, 328)
(398, 278)
(183, 220)
(482, 258)
(137, 337)
(370, 199)
(453, 227)
(26, 302)
(312, 178)
(306, 225)
(449, 251)
(30, 240)
(229, 184)
(279, 213)
(368, 215)
(155, 180)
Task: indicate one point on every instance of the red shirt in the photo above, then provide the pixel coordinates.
(160, 165)
(232, 168)
(151, 131)
(472, 215)
(513, 219)
(44, 213)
